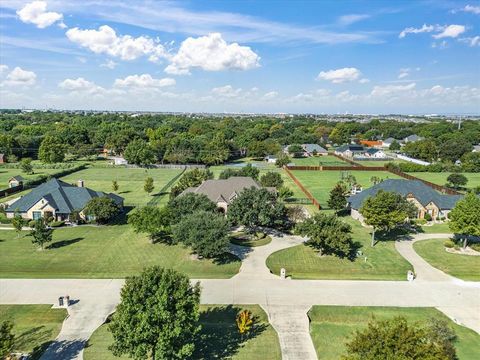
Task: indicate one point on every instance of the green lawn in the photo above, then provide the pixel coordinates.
(377, 162)
(326, 160)
(332, 326)
(383, 261)
(465, 267)
(100, 252)
(437, 228)
(35, 326)
(319, 183)
(219, 338)
(130, 181)
(243, 239)
(441, 178)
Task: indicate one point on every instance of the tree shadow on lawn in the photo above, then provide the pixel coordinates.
(219, 337)
(37, 335)
(227, 258)
(63, 243)
(59, 349)
(122, 217)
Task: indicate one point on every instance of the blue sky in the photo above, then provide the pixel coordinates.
(242, 56)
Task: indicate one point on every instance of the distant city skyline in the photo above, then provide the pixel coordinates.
(359, 57)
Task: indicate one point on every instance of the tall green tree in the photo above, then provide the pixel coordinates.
(26, 166)
(465, 217)
(328, 234)
(190, 178)
(394, 146)
(151, 220)
(52, 150)
(148, 185)
(385, 211)
(18, 223)
(397, 339)
(101, 209)
(338, 197)
(157, 317)
(7, 339)
(189, 203)
(138, 152)
(207, 233)
(41, 234)
(257, 207)
(456, 180)
(271, 179)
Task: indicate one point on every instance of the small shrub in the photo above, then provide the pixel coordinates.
(57, 223)
(31, 223)
(475, 246)
(420, 221)
(448, 244)
(260, 235)
(428, 217)
(244, 321)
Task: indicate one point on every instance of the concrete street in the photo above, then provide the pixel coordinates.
(285, 301)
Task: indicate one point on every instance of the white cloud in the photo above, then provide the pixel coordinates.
(211, 53)
(80, 84)
(352, 18)
(340, 75)
(3, 68)
(406, 72)
(105, 41)
(389, 90)
(109, 64)
(226, 91)
(20, 77)
(423, 29)
(450, 31)
(471, 41)
(471, 9)
(364, 81)
(270, 95)
(36, 13)
(143, 81)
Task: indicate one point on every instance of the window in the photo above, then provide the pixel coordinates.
(37, 215)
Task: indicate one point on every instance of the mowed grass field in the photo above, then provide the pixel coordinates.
(466, 267)
(383, 261)
(6, 174)
(100, 252)
(332, 326)
(327, 160)
(319, 183)
(441, 178)
(219, 337)
(130, 181)
(35, 326)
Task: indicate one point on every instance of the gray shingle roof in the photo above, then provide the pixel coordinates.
(310, 148)
(413, 138)
(17, 178)
(223, 190)
(351, 147)
(423, 193)
(62, 196)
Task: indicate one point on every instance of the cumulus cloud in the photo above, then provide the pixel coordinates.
(36, 13)
(227, 91)
(143, 81)
(3, 68)
(471, 41)
(423, 29)
(20, 77)
(472, 9)
(451, 31)
(340, 75)
(270, 95)
(391, 89)
(109, 64)
(80, 85)
(105, 41)
(211, 53)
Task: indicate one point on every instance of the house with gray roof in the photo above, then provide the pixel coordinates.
(58, 199)
(412, 138)
(350, 150)
(426, 199)
(223, 191)
(387, 142)
(15, 181)
(313, 150)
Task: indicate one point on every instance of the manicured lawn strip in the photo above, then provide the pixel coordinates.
(441, 178)
(332, 326)
(377, 162)
(319, 183)
(7, 173)
(130, 181)
(383, 261)
(99, 252)
(250, 242)
(326, 160)
(437, 228)
(35, 326)
(465, 267)
(219, 338)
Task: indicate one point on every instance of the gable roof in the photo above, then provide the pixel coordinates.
(371, 142)
(372, 151)
(310, 148)
(351, 147)
(223, 189)
(17, 178)
(62, 196)
(413, 138)
(389, 140)
(423, 193)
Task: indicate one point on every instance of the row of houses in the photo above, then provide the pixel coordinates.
(360, 151)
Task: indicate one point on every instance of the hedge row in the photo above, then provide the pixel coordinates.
(434, 168)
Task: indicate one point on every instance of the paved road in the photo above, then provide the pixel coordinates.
(285, 301)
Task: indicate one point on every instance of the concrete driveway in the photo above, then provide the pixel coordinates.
(285, 301)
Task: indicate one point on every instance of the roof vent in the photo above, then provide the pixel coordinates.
(80, 183)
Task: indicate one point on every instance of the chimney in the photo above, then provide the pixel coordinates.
(80, 183)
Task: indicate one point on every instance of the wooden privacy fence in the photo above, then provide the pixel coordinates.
(437, 187)
(345, 159)
(305, 191)
(334, 167)
(9, 191)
